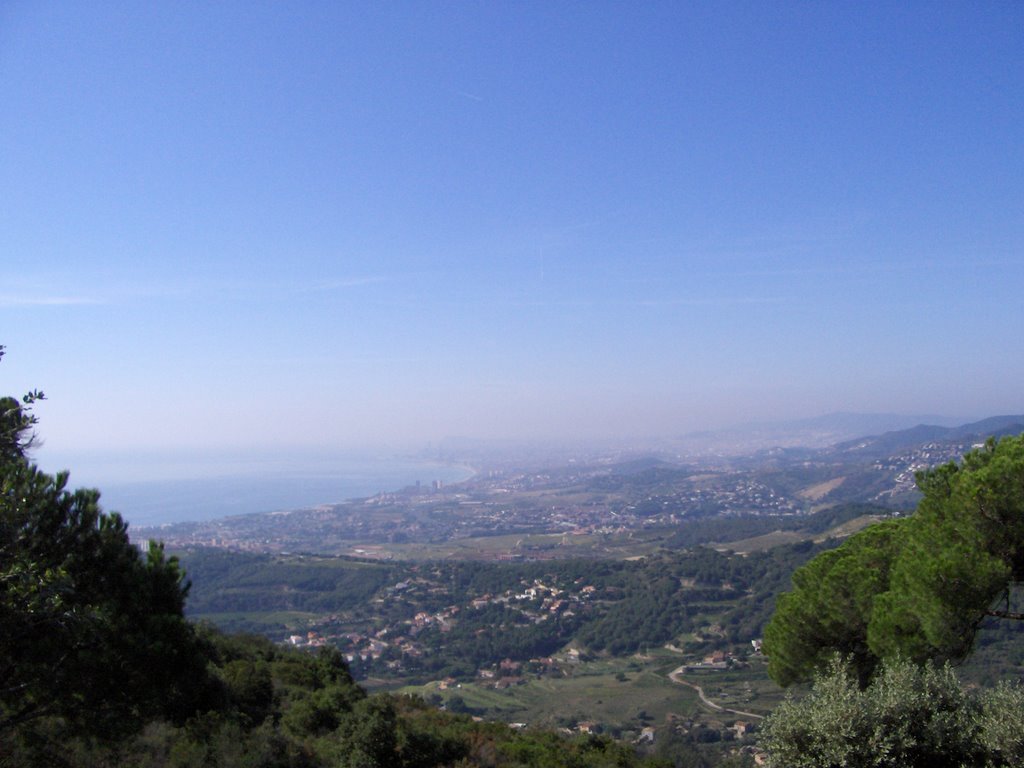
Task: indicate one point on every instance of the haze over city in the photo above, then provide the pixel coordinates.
(320, 226)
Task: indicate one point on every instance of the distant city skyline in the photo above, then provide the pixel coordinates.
(248, 227)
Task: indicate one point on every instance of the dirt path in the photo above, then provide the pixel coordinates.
(676, 676)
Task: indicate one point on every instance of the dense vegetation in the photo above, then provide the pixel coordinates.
(908, 717)
(918, 587)
(282, 708)
(91, 630)
(870, 620)
(715, 598)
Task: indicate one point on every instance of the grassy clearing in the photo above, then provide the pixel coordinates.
(748, 690)
(850, 527)
(761, 543)
(816, 492)
(263, 623)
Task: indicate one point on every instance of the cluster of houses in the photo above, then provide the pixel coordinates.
(537, 601)
(551, 600)
(907, 464)
(713, 661)
(308, 640)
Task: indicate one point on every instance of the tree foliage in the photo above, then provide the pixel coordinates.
(918, 587)
(312, 715)
(909, 716)
(16, 422)
(91, 629)
(831, 606)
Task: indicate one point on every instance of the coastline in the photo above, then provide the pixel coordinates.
(150, 505)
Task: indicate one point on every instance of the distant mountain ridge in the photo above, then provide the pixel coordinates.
(813, 433)
(816, 432)
(900, 440)
(865, 423)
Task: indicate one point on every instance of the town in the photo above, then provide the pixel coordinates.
(510, 514)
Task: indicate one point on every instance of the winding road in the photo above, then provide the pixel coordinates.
(676, 676)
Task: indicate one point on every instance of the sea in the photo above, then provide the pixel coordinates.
(211, 491)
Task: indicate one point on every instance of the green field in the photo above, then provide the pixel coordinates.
(624, 694)
(269, 623)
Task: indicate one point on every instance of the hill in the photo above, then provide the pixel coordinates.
(889, 443)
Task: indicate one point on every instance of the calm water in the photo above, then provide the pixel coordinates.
(155, 502)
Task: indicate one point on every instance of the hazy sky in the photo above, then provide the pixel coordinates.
(249, 225)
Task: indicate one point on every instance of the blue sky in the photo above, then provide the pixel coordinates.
(330, 225)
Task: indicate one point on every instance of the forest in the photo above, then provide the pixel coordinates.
(612, 607)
